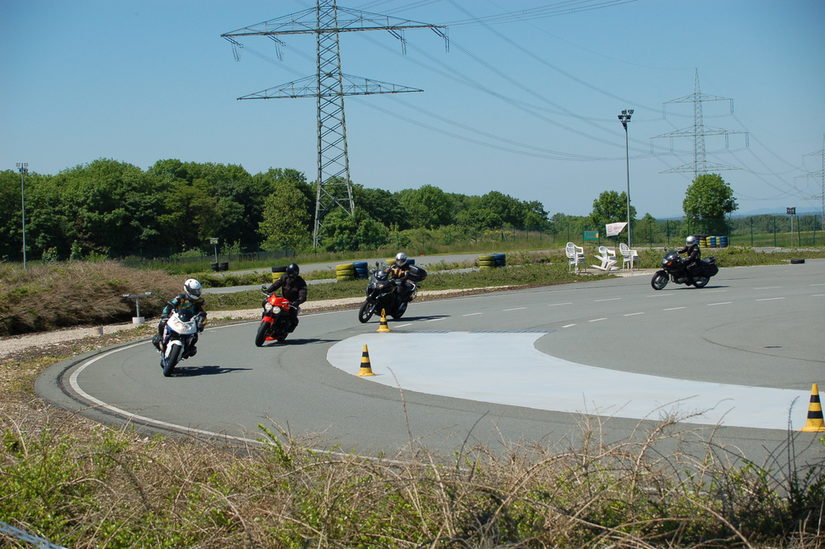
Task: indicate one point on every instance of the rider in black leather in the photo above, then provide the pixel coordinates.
(694, 254)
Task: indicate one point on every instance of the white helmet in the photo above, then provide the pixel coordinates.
(690, 240)
(192, 288)
(401, 258)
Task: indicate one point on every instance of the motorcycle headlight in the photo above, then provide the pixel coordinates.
(276, 309)
(267, 306)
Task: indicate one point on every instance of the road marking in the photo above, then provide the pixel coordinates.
(767, 288)
(546, 382)
(633, 314)
(515, 309)
(437, 319)
(598, 319)
(770, 298)
(818, 295)
(607, 299)
(568, 325)
(674, 308)
(818, 284)
(402, 325)
(720, 303)
(558, 304)
(473, 314)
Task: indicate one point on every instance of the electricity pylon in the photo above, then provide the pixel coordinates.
(821, 174)
(698, 131)
(329, 86)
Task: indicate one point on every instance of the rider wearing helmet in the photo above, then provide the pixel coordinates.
(293, 288)
(189, 304)
(399, 270)
(693, 253)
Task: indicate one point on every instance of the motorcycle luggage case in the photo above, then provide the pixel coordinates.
(416, 274)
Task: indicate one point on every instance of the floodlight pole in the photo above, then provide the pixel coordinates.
(624, 118)
(23, 168)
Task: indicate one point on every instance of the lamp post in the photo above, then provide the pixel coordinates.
(624, 118)
(23, 168)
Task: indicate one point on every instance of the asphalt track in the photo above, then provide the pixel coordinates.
(733, 362)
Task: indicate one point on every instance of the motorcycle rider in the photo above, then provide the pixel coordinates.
(693, 252)
(399, 270)
(189, 304)
(293, 288)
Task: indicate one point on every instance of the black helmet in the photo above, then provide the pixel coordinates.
(292, 269)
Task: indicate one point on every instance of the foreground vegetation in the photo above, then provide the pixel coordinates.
(83, 485)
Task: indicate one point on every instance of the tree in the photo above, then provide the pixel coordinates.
(427, 207)
(344, 232)
(286, 218)
(610, 207)
(706, 202)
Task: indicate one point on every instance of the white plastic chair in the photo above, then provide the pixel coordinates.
(575, 256)
(629, 255)
(607, 257)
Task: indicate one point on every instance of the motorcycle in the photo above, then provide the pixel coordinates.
(276, 322)
(673, 268)
(390, 295)
(179, 336)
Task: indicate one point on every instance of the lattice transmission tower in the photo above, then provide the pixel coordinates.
(329, 85)
(698, 131)
(821, 174)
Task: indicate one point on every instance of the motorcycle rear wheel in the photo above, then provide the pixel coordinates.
(659, 280)
(399, 312)
(701, 281)
(366, 311)
(260, 336)
(171, 361)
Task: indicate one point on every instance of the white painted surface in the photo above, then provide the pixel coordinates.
(506, 368)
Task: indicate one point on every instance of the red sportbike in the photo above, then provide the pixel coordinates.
(276, 322)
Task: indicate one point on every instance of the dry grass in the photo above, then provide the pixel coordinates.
(78, 294)
(83, 485)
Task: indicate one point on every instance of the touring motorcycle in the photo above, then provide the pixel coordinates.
(276, 321)
(673, 268)
(384, 293)
(178, 338)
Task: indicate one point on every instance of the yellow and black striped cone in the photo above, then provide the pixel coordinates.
(382, 326)
(814, 423)
(366, 368)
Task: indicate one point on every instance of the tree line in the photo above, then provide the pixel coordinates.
(114, 209)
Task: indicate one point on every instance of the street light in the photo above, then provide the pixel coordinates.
(624, 118)
(23, 168)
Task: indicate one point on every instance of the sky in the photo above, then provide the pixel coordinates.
(524, 102)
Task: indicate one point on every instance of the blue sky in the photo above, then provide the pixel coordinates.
(524, 105)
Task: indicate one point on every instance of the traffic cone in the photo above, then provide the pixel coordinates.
(382, 326)
(814, 423)
(366, 369)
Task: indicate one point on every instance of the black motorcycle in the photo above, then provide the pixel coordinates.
(391, 296)
(673, 268)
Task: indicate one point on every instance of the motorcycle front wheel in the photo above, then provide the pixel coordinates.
(260, 336)
(659, 280)
(171, 361)
(366, 311)
(701, 281)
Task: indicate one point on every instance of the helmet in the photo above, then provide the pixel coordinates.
(192, 288)
(690, 240)
(292, 269)
(401, 258)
